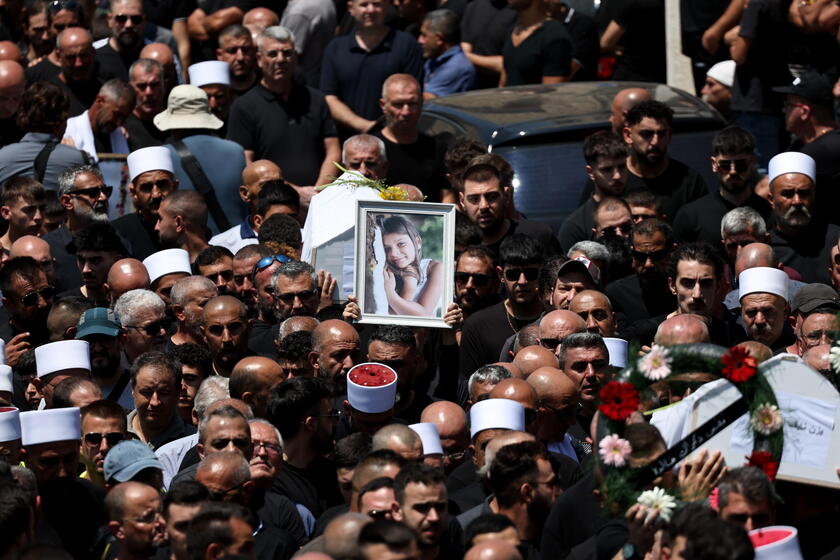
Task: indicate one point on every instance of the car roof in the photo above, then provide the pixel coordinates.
(512, 114)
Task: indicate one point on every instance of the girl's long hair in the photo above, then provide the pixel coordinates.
(401, 224)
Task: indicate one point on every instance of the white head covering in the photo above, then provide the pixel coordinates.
(209, 72)
(50, 426)
(763, 279)
(496, 413)
(778, 542)
(430, 437)
(617, 348)
(6, 379)
(723, 72)
(166, 262)
(372, 399)
(154, 158)
(792, 162)
(62, 355)
(9, 423)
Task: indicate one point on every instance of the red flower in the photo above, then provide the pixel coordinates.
(618, 400)
(764, 461)
(738, 365)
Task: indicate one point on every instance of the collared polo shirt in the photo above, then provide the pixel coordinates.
(356, 76)
(288, 132)
(451, 72)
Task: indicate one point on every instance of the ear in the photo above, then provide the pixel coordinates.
(70, 333)
(243, 193)
(200, 448)
(178, 311)
(396, 512)
(625, 132)
(527, 492)
(248, 398)
(672, 286)
(258, 220)
(501, 273)
(471, 447)
(180, 223)
(313, 357)
(588, 170)
(116, 528)
(66, 202)
(5, 212)
(382, 104)
(461, 199)
(714, 164)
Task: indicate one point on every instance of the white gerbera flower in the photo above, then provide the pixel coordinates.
(834, 358)
(656, 364)
(767, 419)
(658, 499)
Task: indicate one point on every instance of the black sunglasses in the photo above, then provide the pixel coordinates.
(740, 165)
(93, 192)
(226, 275)
(95, 438)
(153, 329)
(551, 343)
(479, 280)
(265, 262)
(234, 329)
(654, 256)
(136, 19)
(289, 297)
(31, 298)
(733, 245)
(239, 443)
(424, 507)
(378, 513)
(513, 274)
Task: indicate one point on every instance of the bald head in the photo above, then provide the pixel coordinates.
(817, 358)
(681, 329)
(74, 37)
(623, 101)
(553, 387)
(450, 419)
(755, 255)
(559, 324)
(262, 17)
(124, 493)
(508, 437)
(255, 366)
(511, 367)
(12, 86)
(331, 329)
(761, 352)
(532, 357)
(126, 275)
(34, 247)
(516, 390)
(493, 550)
(251, 380)
(295, 324)
(261, 170)
(400, 439)
(159, 52)
(10, 51)
(222, 305)
(225, 469)
(414, 193)
(341, 535)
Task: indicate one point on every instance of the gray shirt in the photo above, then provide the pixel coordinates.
(18, 159)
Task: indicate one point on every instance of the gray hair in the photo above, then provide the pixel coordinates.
(580, 340)
(212, 389)
(275, 33)
(750, 482)
(144, 64)
(402, 433)
(742, 220)
(445, 22)
(118, 90)
(270, 425)
(366, 140)
(293, 269)
(226, 411)
(593, 250)
(134, 301)
(67, 179)
(181, 289)
(487, 374)
(404, 79)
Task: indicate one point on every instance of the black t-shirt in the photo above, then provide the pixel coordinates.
(315, 487)
(164, 12)
(113, 64)
(643, 42)
(44, 71)
(807, 253)
(824, 150)
(634, 303)
(142, 134)
(261, 338)
(279, 512)
(537, 230)
(67, 274)
(675, 187)
(274, 544)
(574, 517)
(697, 17)
(486, 26)
(289, 132)
(142, 236)
(578, 226)
(9, 132)
(419, 164)
(81, 94)
(586, 49)
(765, 23)
(700, 220)
(546, 52)
(483, 336)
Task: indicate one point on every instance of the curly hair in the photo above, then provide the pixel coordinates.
(44, 108)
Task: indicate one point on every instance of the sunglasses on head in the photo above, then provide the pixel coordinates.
(31, 298)
(479, 280)
(265, 262)
(289, 297)
(740, 165)
(93, 192)
(94, 439)
(136, 19)
(654, 256)
(513, 274)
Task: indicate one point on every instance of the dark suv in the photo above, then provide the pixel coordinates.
(539, 130)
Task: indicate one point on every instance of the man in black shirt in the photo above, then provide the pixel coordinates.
(647, 133)
(236, 47)
(538, 50)
(146, 77)
(733, 161)
(606, 164)
(639, 27)
(413, 157)
(78, 69)
(27, 297)
(586, 50)
(126, 21)
(485, 28)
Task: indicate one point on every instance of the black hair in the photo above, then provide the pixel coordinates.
(487, 523)
(512, 466)
(712, 538)
(394, 334)
(195, 356)
(466, 232)
(185, 492)
(26, 364)
(212, 254)
(23, 267)
(733, 140)
(280, 229)
(350, 450)
(65, 388)
(650, 227)
(416, 473)
(393, 534)
(160, 361)
(750, 482)
(520, 249)
(478, 252)
(374, 485)
(701, 252)
(460, 154)
(15, 515)
(97, 237)
(274, 193)
(603, 144)
(644, 198)
(295, 346)
(650, 109)
(291, 401)
(212, 525)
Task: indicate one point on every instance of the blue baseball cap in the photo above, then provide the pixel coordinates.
(128, 458)
(98, 320)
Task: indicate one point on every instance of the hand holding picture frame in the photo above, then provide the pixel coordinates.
(404, 255)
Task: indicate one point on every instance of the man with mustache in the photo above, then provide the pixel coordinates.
(764, 306)
(99, 129)
(800, 241)
(647, 133)
(236, 48)
(126, 21)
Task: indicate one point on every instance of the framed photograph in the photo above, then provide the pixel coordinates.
(405, 262)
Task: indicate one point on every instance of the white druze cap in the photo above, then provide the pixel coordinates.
(62, 355)
(496, 413)
(792, 162)
(166, 262)
(50, 426)
(430, 437)
(153, 158)
(763, 279)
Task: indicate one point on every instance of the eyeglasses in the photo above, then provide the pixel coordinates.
(654, 256)
(289, 297)
(219, 496)
(94, 439)
(551, 343)
(31, 298)
(136, 19)
(234, 329)
(270, 448)
(221, 443)
(740, 165)
(265, 262)
(94, 192)
(233, 50)
(274, 53)
(620, 230)
(225, 275)
(425, 507)
(513, 274)
(153, 329)
(649, 134)
(478, 280)
(378, 513)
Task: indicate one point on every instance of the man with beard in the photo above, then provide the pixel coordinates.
(147, 78)
(27, 297)
(264, 330)
(486, 201)
(188, 298)
(396, 347)
(143, 317)
(486, 331)
(77, 75)
(236, 48)
(152, 178)
(295, 290)
(96, 247)
(476, 281)
(422, 499)
(414, 157)
(103, 427)
(22, 205)
(182, 222)
(100, 327)
(136, 519)
(606, 165)
(647, 133)
(734, 162)
(763, 293)
(225, 326)
(584, 358)
(216, 264)
(800, 241)
(645, 294)
(301, 408)
(335, 349)
(126, 21)
(99, 129)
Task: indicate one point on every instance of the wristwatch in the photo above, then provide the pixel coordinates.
(629, 552)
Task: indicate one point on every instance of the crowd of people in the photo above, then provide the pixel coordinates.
(179, 382)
